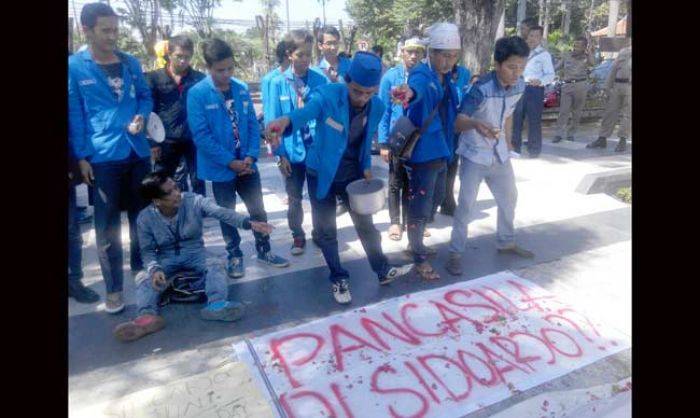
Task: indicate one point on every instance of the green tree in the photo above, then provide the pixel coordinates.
(144, 17)
(386, 22)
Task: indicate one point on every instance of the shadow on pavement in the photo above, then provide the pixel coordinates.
(288, 299)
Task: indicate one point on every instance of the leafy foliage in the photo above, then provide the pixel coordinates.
(386, 22)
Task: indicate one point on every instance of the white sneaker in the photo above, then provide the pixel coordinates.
(114, 303)
(341, 292)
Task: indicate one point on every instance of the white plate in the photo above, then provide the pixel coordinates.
(155, 128)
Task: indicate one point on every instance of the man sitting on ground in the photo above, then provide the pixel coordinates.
(170, 236)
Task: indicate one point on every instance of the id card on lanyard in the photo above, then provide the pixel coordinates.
(230, 106)
(301, 90)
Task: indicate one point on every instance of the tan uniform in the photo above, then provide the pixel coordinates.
(619, 87)
(573, 92)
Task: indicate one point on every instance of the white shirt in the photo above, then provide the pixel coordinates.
(539, 66)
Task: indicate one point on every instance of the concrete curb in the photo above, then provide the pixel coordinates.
(599, 182)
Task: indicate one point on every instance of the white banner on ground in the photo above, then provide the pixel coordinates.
(438, 353)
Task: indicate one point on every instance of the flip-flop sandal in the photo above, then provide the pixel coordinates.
(427, 273)
(394, 235)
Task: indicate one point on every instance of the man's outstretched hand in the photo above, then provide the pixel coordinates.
(274, 130)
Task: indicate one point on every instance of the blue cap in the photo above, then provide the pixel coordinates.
(365, 69)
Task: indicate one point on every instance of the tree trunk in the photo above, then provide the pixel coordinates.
(612, 17)
(628, 31)
(545, 26)
(566, 17)
(501, 31)
(478, 22)
(540, 12)
(589, 18)
(521, 11)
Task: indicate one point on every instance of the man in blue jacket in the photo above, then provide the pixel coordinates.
(227, 135)
(485, 122)
(430, 91)
(346, 118)
(412, 52)
(332, 65)
(266, 81)
(108, 104)
(288, 92)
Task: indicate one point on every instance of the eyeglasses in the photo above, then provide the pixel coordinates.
(331, 43)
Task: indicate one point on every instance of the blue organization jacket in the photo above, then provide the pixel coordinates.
(265, 93)
(97, 122)
(461, 78)
(212, 131)
(395, 76)
(329, 106)
(434, 143)
(489, 102)
(283, 98)
(343, 67)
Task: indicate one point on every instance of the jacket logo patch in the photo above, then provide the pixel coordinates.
(88, 82)
(333, 124)
(211, 106)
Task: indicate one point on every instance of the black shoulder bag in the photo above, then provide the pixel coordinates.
(405, 135)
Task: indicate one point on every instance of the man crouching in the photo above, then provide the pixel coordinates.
(170, 237)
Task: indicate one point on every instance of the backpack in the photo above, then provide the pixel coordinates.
(186, 287)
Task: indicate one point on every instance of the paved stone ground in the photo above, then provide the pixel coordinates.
(583, 252)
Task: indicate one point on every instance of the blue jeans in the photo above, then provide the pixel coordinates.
(501, 182)
(116, 189)
(215, 287)
(294, 185)
(323, 212)
(426, 186)
(75, 240)
(173, 154)
(250, 190)
(531, 106)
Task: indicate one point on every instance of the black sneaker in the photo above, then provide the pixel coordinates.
(570, 138)
(82, 294)
(341, 292)
(556, 139)
(394, 273)
(621, 145)
(601, 142)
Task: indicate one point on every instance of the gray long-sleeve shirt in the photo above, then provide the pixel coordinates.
(161, 238)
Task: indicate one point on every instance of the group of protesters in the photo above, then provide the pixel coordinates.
(320, 121)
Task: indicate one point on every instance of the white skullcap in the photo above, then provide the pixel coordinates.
(444, 35)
